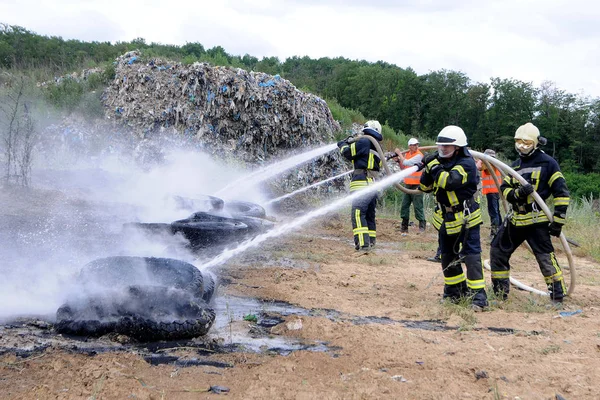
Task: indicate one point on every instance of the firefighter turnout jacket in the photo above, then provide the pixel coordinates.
(365, 161)
(455, 187)
(543, 173)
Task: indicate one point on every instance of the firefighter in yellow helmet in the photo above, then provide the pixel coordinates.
(527, 222)
(451, 175)
(366, 163)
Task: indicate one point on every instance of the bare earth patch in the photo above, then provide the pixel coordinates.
(521, 348)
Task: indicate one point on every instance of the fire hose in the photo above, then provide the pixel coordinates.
(506, 170)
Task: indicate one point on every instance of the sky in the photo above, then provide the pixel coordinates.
(529, 40)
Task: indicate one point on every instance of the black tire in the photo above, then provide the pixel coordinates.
(145, 313)
(244, 209)
(122, 271)
(210, 287)
(151, 228)
(204, 230)
(256, 226)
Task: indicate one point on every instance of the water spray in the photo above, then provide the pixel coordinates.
(274, 169)
(285, 196)
(282, 229)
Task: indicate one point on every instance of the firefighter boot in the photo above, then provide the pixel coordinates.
(455, 284)
(501, 287)
(404, 226)
(552, 275)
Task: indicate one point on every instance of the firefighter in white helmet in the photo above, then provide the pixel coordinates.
(527, 222)
(366, 163)
(412, 157)
(451, 175)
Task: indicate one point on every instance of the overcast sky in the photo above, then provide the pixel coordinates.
(529, 40)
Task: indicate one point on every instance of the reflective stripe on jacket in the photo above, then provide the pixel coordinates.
(543, 172)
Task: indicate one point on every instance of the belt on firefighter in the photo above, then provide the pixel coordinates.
(525, 208)
(367, 172)
(457, 208)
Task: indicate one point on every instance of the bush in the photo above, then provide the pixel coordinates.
(583, 185)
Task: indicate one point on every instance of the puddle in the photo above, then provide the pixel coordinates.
(242, 325)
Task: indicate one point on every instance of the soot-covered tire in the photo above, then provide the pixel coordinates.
(145, 313)
(244, 209)
(256, 226)
(210, 287)
(123, 271)
(204, 230)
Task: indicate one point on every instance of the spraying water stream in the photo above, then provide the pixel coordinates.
(272, 170)
(387, 181)
(285, 196)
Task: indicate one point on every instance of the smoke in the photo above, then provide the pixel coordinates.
(75, 213)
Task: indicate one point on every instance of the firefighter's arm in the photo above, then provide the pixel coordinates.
(560, 192)
(454, 179)
(426, 183)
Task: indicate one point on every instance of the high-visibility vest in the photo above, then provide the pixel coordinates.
(487, 181)
(414, 178)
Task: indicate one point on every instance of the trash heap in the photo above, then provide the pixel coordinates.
(252, 115)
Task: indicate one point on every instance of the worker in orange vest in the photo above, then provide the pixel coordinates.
(412, 181)
(490, 191)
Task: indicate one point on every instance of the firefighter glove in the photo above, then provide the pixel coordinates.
(426, 160)
(342, 143)
(555, 228)
(524, 191)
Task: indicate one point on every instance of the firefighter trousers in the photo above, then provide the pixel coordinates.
(363, 221)
(509, 238)
(464, 247)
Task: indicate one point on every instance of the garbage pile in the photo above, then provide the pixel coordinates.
(253, 115)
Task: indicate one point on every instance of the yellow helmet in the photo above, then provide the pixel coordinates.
(527, 138)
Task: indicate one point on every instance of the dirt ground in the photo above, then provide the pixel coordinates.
(519, 349)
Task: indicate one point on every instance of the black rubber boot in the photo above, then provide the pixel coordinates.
(373, 241)
(556, 288)
(455, 292)
(404, 226)
(479, 297)
(501, 288)
(422, 226)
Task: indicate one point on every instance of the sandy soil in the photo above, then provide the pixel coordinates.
(540, 353)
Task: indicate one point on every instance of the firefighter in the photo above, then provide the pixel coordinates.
(527, 221)
(490, 191)
(366, 163)
(451, 174)
(412, 157)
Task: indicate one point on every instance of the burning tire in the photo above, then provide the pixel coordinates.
(145, 313)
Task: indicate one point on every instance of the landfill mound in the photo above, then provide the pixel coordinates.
(250, 114)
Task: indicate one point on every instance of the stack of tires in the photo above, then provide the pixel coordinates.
(212, 230)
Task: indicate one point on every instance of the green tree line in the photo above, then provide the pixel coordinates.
(411, 104)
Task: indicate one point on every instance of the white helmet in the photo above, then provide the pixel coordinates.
(452, 135)
(373, 128)
(412, 141)
(524, 136)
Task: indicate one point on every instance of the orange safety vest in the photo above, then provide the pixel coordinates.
(414, 178)
(487, 182)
